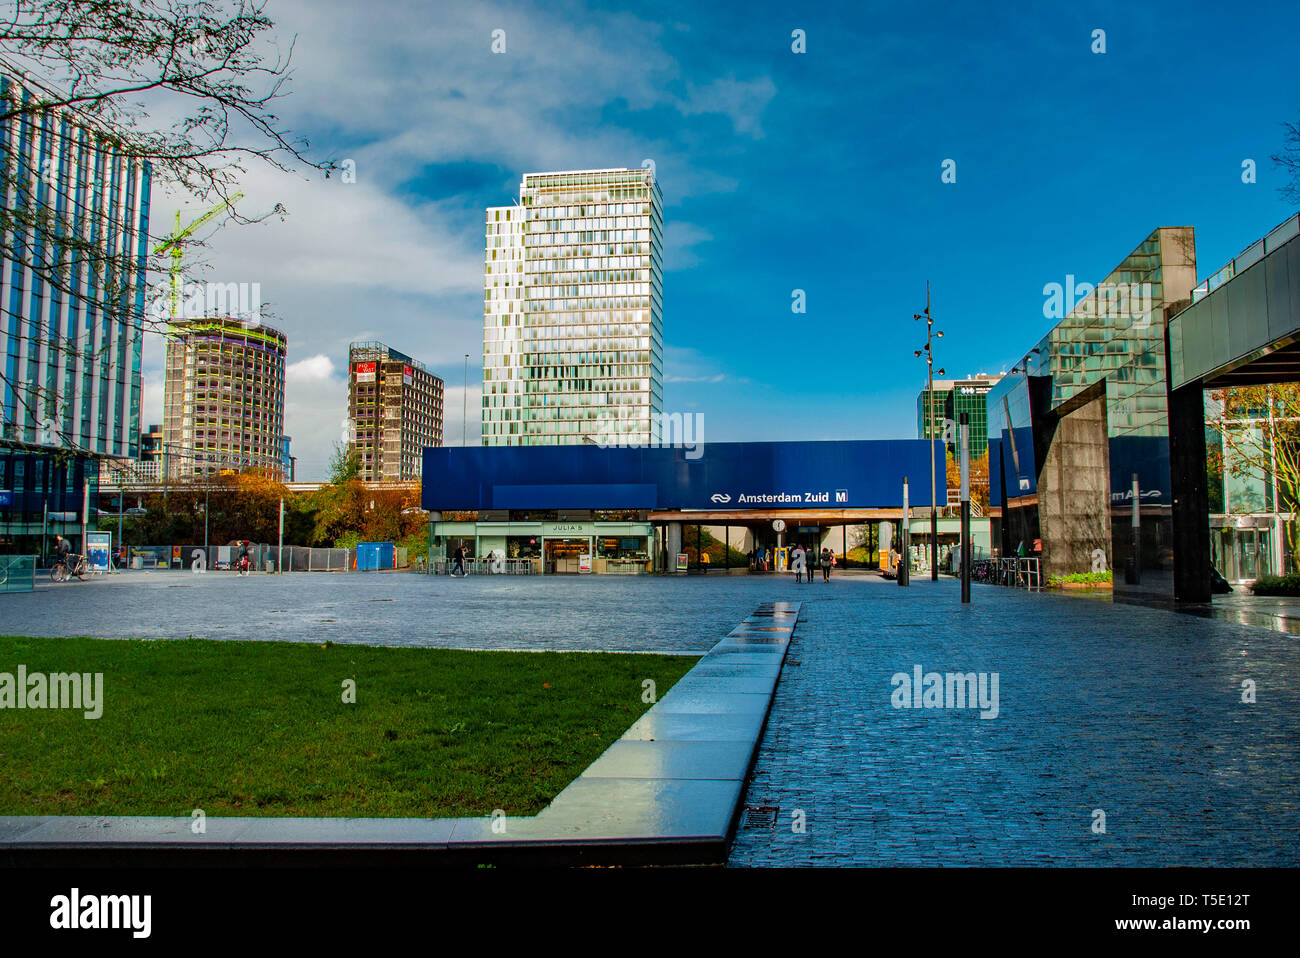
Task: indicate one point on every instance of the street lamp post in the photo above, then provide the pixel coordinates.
(930, 334)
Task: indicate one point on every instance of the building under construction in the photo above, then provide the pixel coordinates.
(223, 400)
(395, 408)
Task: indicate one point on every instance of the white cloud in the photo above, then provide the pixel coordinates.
(151, 400)
(679, 241)
(452, 419)
(315, 368)
(742, 101)
(400, 91)
(716, 378)
(692, 366)
(428, 89)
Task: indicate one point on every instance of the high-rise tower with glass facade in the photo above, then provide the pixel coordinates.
(71, 314)
(69, 338)
(573, 310)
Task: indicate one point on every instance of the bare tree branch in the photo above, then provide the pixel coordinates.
(1289, 160)
(185, 86)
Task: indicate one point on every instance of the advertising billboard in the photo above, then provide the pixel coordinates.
(98, 546)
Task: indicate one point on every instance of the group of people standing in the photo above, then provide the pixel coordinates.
(806, 561)
(802, 562)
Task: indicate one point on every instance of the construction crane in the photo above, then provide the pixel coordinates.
(175, 244)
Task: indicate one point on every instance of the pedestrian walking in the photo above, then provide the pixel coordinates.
(458, 568)
(827, 559)
(797, 560)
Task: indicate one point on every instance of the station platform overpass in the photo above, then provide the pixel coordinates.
(1242, 327)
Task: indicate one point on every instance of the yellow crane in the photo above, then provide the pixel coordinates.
(175, 244)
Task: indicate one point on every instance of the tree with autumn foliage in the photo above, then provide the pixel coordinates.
(1259, 431)
(345, 511)
(979, 478)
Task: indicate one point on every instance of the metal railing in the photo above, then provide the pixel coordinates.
(1020, 572)
(485, 566)
(1247, 258)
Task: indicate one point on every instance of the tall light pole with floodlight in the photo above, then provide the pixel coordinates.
(930, 334)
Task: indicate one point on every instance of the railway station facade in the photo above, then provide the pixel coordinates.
(637, 510)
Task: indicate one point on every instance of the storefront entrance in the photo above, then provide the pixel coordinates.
(565, 556)
(1243, 554)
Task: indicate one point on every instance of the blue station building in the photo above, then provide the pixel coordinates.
(635, 510)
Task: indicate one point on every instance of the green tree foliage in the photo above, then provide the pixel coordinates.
(345, 464)
(1260, 431)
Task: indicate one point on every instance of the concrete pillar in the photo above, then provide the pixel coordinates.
(674, 531)
(1191, 511)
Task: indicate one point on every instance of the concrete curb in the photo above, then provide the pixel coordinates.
(668, 791)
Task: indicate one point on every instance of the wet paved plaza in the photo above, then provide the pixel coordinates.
(613, 613)
(1135, 713)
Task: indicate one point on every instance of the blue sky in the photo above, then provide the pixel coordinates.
(817, 171)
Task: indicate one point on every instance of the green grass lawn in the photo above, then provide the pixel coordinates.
(261, 728)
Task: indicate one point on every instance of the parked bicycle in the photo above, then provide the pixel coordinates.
(73, 566)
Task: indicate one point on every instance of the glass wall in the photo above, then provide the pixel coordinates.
(1104, 358)
(1243, 554)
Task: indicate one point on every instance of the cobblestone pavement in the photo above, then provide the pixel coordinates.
(1134, 711)
(616, 613)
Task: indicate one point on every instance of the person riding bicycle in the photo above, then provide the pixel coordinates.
(62, 550)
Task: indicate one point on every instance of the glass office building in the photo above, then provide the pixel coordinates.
(70, 337)
(948, 400)
(1079, 456)
(573, 310)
